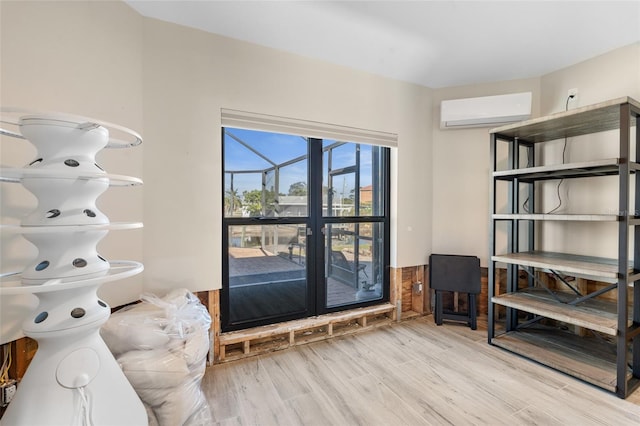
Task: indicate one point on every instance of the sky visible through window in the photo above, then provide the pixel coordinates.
(280, 148)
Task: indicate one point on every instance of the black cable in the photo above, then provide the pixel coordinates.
(525, 205)
(564, 150)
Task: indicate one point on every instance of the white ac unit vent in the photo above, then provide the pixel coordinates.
(485, 111)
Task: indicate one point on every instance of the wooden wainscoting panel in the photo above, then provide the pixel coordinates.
(420, 299)
(407, 284)
(22, 352)
(426, 287)
(395, 284)
(214, 311)
(402, 282)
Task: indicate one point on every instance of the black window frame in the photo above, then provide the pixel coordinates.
(315, 223)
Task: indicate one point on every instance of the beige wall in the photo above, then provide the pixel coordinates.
(461, 161)
(190, 75)
(612, 75)
(608, 76)
(101, 59)
(461, 167)
(82, 58)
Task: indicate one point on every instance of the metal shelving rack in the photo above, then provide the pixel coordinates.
(610, 356)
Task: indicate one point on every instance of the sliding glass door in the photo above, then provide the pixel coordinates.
(305, 227)
(354, 222)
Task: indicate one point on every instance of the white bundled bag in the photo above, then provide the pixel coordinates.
(162, 345)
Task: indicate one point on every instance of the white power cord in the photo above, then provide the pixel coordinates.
(84, 409)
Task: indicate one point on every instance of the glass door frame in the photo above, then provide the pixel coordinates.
(321, 222)
(315, 224)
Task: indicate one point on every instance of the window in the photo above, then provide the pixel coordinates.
(305, 229)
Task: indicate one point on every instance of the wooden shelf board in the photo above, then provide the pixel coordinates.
(560, 217)
(586, 358)
(576, 264)
(595, 118)
(592, 314)
(603, 167)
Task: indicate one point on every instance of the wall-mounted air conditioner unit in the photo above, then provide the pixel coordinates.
(485, 111)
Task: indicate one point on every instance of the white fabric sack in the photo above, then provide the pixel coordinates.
(153, 369)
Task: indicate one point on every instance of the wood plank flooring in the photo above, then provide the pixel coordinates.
(408, 373)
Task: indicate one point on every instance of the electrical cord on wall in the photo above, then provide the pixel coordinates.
(564, 150)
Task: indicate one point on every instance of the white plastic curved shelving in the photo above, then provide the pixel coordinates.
(12, 115)
(66, 228)
(119, 270)
(15, 175)
(112, 226)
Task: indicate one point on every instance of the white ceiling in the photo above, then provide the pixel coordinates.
(432, 43)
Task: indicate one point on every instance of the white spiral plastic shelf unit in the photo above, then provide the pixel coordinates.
(73, 378)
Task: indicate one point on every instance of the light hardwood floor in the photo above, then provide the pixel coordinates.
(408, 373)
